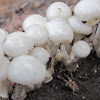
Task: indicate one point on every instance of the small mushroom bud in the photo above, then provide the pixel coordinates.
(58, 10)
(41, 54)
(33, 19)
(80, 49)
(38, 33)
(3, 35)
(17, 43)
(26, 70)
(79, 27)
(59, 32)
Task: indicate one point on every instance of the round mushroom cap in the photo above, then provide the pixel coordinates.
(4, 63)
(87, 9)
(3, 35)
(81, 49)
(1, 53)
(17, 44)
(33, 19)
(79, 27)
(41, 54)
(26, 70)
(59, 32)
(58, 10)
(38, 33)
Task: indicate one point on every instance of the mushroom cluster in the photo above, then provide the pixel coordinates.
(27, 58)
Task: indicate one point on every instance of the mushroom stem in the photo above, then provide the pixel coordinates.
(49, 76)
(93, 33)
(77, 37)
(64, 52)
(54, 49)
(4, 89)
(96, 41)
(67, 59)
(58, 56)
(19, 92)
(72, 55)
(48, 46)
(73, 65)
(93, 22)
(90, 39)
(68, 47)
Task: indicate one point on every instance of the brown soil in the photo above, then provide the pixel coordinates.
(87, 77)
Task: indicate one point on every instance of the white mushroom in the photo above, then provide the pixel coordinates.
(33, 19)
(17, 43)
(79, 27)
(59, 32)
(38, 33)
(26, 70)
(3, 35)
(80, 49)
(87, 9)
(58, 10)
(41, 54)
